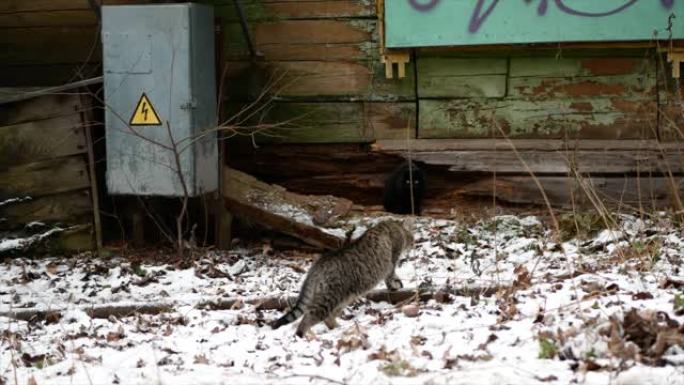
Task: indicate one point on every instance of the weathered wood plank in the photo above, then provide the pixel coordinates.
(20, 6)
(303, 40)
(39, 108)
(461, 78)
(257, 10)
(31, 46)
(644, 192)
(316, 81)
(454, 66)
(476, 86)
(596, 119)
(295, 122)
(66, 208)
(400, 146)
(55, 18)
(581, 66)
(45, 75)
(557, 162)
(44, 177)
(635, 86)
(42, 139)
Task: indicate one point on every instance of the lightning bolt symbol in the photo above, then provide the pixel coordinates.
(144, 111)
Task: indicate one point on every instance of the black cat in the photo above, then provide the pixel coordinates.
(397, 194)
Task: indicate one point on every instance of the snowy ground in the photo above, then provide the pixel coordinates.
(604, 310)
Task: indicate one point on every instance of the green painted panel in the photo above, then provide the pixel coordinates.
(420, 23)
(461, 78)
(599, 118)
(476, 86)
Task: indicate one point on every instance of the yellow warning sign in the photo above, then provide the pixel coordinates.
(144, 114)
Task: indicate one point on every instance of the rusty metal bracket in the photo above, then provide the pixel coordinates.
(390, 57)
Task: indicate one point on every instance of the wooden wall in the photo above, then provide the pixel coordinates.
(44, 172)
(339, 125)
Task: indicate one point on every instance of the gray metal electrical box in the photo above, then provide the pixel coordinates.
(160, 94)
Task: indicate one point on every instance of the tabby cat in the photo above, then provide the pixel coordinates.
(339, 277)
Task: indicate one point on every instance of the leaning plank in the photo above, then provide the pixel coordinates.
(292, 214)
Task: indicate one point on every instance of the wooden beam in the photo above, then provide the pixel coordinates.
(644, 192)
(399, 145)
(560, 162)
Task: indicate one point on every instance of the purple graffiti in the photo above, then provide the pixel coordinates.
(422, 5)
(571, 11)
(481, 14)
(478, 18)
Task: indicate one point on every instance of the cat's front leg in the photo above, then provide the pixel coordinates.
(393, 282)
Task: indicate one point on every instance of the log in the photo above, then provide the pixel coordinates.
(274, 207)
(262, 303)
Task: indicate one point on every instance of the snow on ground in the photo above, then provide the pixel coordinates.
(603, 310)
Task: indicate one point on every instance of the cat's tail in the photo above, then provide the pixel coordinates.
(289, 317)
(298, 309)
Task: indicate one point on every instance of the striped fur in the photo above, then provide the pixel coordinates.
(338, 278)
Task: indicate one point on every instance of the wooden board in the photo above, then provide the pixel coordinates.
(461, 78)
(45, 75)
(44, 177)
(329, 122)
(433, 145)
(44, 107)
(55, 18)
(30, 46)
(315, 81)
(257, 10)
(559, 162)
(548, 118)
(644, 192)
(41, 139)
(583, 66)
(70, 207)
(344, 40)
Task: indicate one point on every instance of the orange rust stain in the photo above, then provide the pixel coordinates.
(610, 66)
(591, 88)
(581, 106)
